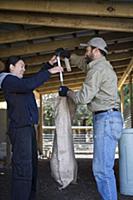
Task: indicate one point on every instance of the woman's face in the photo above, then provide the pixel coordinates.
(18, 69)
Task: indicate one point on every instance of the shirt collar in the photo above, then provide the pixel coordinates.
(94, 62)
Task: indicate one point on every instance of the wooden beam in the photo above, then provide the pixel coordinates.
(120, 63)
(42, 47)
(44, 32)
(122, 99)
(68, 21)
(31, 70)
(125, 75)
(119, 66)
(120, 56)
(37, 60)
(121, 70)
(2, 66)
(116, 64)
(34, 63)
(115, 9)
(122, 46)
(76, 72)
(127, 81)
(52, 45)
(38, 33)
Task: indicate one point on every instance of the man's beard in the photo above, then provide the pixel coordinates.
(88, 59)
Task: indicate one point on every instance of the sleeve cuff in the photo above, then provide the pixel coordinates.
(47, 66)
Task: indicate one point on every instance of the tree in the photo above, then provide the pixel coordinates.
(82, 114)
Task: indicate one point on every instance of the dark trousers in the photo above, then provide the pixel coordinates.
(24, 163)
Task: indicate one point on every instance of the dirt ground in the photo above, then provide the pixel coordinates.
(85, 189)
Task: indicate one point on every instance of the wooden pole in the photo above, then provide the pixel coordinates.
(122, 99)
(40, 130)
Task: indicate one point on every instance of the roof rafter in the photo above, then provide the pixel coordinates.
(68, 21)
(38, 33)
(84, 7)
(125, 74)
(52, 45)
(37, 60)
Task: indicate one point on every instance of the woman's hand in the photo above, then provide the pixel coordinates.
(53, 60)
(55, 70)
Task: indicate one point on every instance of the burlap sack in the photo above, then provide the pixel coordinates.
(63, 163)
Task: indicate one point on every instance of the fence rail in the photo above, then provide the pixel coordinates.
(83, 140)
(73, 127)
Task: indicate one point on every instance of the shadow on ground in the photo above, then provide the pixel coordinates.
(85, 189)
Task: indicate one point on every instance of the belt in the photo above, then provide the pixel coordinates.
(101, 111)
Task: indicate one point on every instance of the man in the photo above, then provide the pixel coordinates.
(23, 115)
(99, 92)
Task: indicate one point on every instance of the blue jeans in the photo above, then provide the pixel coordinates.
(107, 131)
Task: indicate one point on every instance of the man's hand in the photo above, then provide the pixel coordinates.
(62, 53)
(63, 91)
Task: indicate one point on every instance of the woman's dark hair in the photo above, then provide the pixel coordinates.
(11, 60)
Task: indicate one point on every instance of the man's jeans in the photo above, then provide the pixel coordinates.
(107, 131)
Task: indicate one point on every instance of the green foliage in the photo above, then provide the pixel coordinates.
(49, 109)
(82, 115)
(126, 96)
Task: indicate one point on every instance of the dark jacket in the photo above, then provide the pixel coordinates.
(18, 92)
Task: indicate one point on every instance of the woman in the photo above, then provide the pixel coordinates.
(23, 115)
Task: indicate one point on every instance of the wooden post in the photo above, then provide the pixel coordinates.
(122, 99)
(40, 130)
(8, 144)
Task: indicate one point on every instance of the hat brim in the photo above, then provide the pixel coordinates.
(87, 45)
(83, 45)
